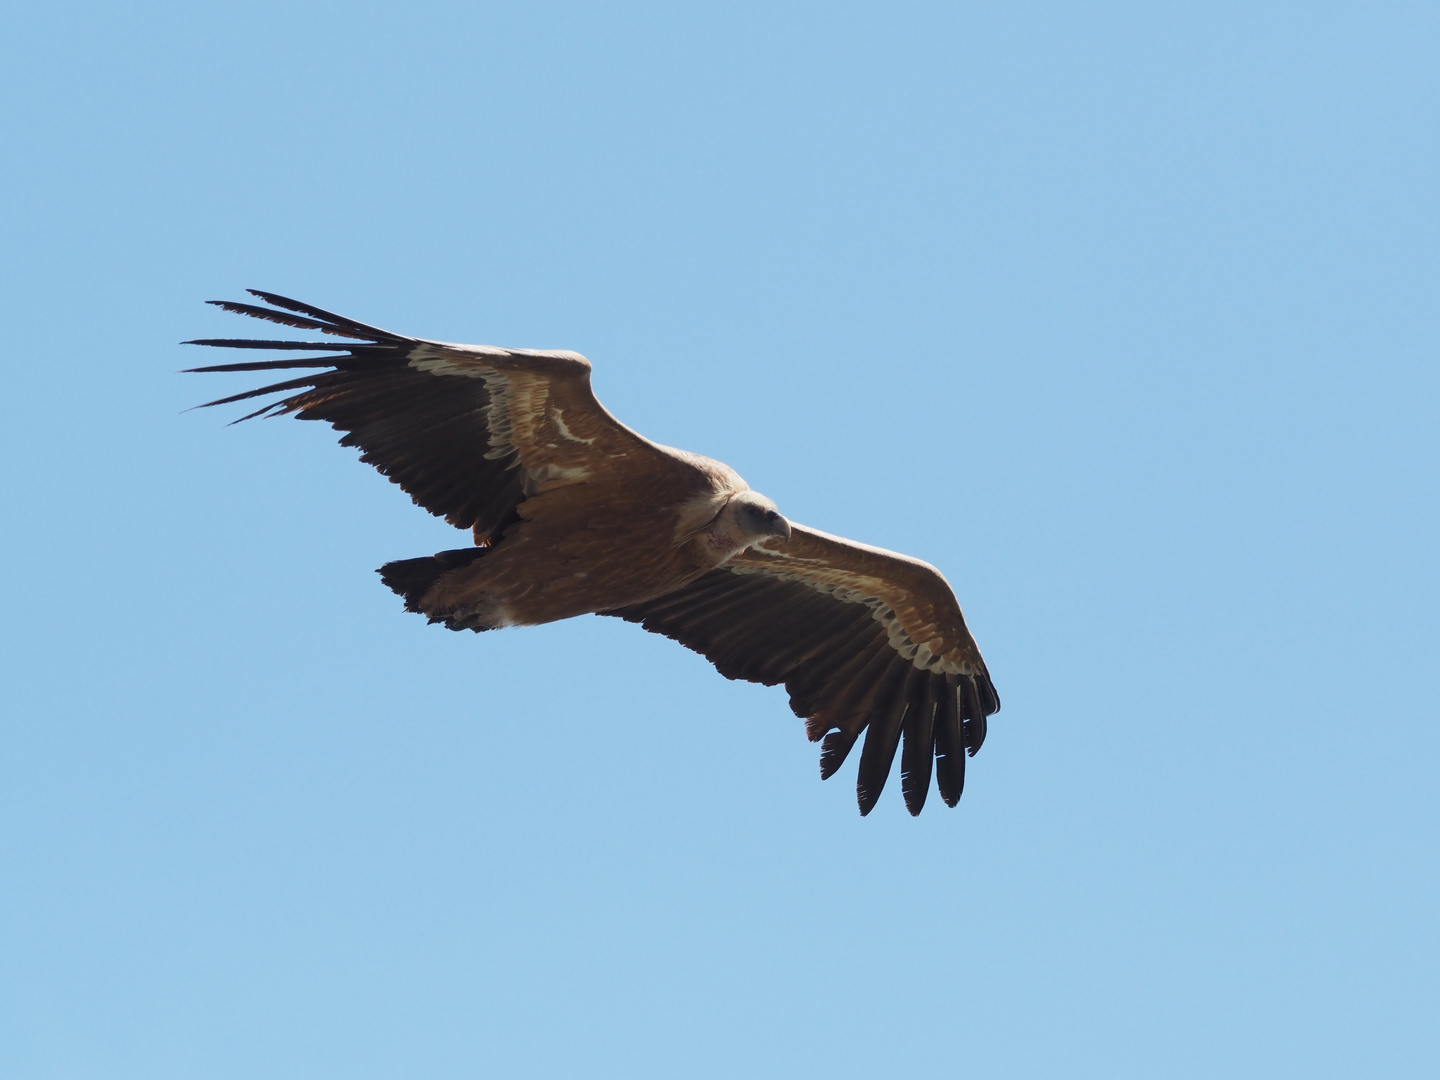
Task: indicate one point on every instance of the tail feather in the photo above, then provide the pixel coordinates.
(413, 578)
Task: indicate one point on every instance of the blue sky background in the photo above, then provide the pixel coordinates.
(1122, 314)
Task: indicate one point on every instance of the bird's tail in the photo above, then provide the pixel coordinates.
(413, 578)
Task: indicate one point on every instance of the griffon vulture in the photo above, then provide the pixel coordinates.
(572, 512)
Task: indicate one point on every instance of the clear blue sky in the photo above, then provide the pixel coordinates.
(1122, 314)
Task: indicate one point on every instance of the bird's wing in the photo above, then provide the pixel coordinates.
(861, 637)
(468, 431)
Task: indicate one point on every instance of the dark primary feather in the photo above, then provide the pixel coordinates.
(883, 738)
(235, 307)
(918, 733)
(268, 365)
(949, 748)
(980, 701)
(328, 318)
(255, 343)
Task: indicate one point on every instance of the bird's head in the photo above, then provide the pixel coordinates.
(753, 518)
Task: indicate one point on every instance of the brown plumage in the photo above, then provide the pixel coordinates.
(572, 512)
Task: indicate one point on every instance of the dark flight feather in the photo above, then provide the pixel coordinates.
(918, 751)
(949, 746)
(882, 739)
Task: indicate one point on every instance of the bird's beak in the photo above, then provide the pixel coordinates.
(778, 526)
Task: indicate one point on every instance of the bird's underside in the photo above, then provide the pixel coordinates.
(572, 512)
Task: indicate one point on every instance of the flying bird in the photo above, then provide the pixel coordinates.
(572, 512)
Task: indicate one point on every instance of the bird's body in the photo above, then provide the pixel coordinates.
(545, 569)
(571, 512)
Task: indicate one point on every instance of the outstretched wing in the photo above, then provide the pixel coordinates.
(468, 431)
(861, 638)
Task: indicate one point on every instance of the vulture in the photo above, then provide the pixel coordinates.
(572, 512)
